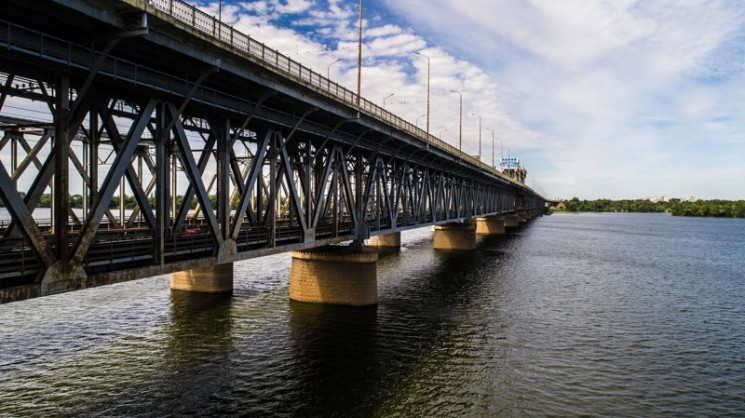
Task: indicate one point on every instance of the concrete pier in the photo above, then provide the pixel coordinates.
(490, 225)
(335, 275)
(511, 221)
(212, 279)
(455, 236)
(386, 240)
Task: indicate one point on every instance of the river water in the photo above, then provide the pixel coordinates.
(593, 314)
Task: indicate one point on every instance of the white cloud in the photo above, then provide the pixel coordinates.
(614, 98)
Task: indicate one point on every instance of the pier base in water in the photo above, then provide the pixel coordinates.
(392, 240)
(490, 225)
(212, 279)
(512, 221)
(335, 275)
(455, 236)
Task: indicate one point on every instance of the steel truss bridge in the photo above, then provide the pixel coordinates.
(228, 149)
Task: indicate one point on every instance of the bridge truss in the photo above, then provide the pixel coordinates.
(223, 159)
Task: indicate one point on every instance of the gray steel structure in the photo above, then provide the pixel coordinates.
(293, 159)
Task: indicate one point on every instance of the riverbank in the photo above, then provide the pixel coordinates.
(676, 207)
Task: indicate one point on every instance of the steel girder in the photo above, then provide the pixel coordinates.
(283, 181)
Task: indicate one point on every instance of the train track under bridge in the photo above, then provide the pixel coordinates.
(145, 137)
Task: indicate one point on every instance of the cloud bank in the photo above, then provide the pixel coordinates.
(617, 99)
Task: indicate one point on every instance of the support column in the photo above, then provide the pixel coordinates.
(511, 221)
(212, 279)
(523, 216)
(335, 275)
(455, 236)
(392, 240)
(490, 225)
(61, 191)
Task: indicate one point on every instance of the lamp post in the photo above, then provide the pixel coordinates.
(460, 122)
(359, 60)
(492, 147)
(479, 116)
(386, 98)
(328, 69)
(428, 78)
(219, 12)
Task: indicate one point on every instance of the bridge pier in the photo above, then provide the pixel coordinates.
(512, 221)
(455, 236)
(490, 225)
(58, 279)
(212, 279)
(335, 275)
(392, 240)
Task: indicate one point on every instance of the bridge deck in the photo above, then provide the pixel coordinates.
(142, 95)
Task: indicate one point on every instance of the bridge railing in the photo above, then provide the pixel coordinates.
(274, 60)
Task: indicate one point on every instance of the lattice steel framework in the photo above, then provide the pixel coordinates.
(266, 170)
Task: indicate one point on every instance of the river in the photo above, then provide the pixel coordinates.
(590, 314)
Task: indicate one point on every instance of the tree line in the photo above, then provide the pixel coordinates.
(676, 207)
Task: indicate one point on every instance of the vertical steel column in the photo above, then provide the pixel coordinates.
(272, 206)
(85, 174)
(140, 158)
(13, 157)
(174, 186)
(61, 169)
(122, 197)
(359, 171)
(308, 185)
(223, 170)
(95, 141)
(161, 183)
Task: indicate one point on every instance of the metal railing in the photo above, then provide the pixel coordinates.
(271, 59)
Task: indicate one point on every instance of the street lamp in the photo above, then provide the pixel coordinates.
(359, 60)
(460, 122)
(492, 147)
(428, 78)
(386, 98)
(479, 116)
(328, 69)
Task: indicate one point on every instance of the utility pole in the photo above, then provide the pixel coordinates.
(359, 60)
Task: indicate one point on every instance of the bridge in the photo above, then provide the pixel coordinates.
(215, 148)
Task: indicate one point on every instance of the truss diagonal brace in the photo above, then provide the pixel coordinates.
(191, 173)
(111, 182)
(20, 213)
(253, 174)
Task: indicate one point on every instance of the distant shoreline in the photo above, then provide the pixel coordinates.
(675, 207)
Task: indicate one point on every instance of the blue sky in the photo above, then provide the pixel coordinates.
(616, 99)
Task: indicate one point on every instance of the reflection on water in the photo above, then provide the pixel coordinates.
(620, 315)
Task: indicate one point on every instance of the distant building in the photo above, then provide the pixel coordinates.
(511, 168)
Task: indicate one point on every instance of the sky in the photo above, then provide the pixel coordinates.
(599, 99)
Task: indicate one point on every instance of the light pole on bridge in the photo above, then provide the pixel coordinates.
(328, 68)
(359, 60)
(386, 98)
(492, 147)
(460, 123)
(428, 78)
(479, 116)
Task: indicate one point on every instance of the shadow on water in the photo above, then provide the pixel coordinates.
(360, 361)
(384, 252)
(336, 350)
(201, 323)
(192, 369)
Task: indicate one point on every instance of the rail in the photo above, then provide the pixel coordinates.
(272, 59)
